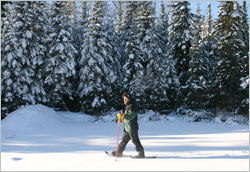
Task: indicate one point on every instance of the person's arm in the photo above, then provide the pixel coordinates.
(130, 115)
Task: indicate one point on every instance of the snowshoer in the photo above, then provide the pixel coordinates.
(130, 128)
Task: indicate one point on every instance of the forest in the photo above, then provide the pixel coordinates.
(82, 56)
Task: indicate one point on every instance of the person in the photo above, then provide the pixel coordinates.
(130, 128)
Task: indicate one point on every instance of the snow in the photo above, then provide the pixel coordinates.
(95, 102)
(244, 82)
(37, 138)
(28, 34)
(9, 82)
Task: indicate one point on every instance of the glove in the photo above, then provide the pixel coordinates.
(120, 121)
(120, 117)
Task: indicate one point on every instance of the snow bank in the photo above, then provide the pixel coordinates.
(40, 117)
(25, 118)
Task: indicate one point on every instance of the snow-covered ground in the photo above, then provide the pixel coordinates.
(38, 138)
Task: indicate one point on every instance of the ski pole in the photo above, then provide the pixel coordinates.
(117, 141)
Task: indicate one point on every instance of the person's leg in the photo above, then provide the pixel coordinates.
(136, 141)
(124, 142)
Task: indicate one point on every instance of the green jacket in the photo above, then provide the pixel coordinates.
(131, 116)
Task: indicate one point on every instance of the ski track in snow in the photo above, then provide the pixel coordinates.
(70, 143)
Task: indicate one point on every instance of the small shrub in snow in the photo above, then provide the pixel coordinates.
(231, 119)
(152, 116)
(195, 116)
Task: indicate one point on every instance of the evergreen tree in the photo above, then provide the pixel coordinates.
(4, 9)
(170, 80)
(198, 22)
(132, 70)
(244, 91)
(143, 84)
(11, 65)
(207, 43)
(164, 77)
(196, 84)
(97, 73)
(60, 64)
(180, 39)
(24, 52)
(207, 25)
(159, 99)
(116, 54)
(162, 28)
(137, 75)
(207, 53)
(128, 22)
(245, 25)
(70, 10)
(228, 31)
(122, 35)
(79, 28)
(120, 12)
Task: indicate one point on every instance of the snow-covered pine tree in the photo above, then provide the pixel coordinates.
(165, 80)
(245, 25)
(136, 75)
(244, 90)
(230, 45)
(128, 19)
(180, 38)
(120, 13)
(4, 9)
(79, 28)
(97, 73)
(158, 36)
(121, 35)
(207, 52)
(112, 37)
(70, 10)
(143, 84)
(24, 50)
(162, 28)
(60, 63)
(196, 85)
(198, 22)
(30, 50)
(41, 26)
(127, 24)
(133, 70)
(11, 65)
(79, 25)
(208, 41)
(207, 25)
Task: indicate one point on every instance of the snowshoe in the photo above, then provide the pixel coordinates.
(113, 153)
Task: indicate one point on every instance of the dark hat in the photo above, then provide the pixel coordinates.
(126, 95)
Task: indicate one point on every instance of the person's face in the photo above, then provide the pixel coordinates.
(125, 99)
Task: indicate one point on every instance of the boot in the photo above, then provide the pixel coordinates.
(140, 155)
(119, 154)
